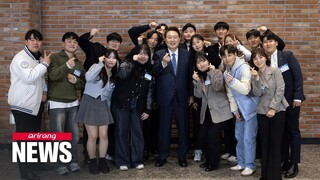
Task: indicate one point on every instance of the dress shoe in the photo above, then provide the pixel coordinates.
(160, 162)
(30, 176)
(292, 172)
(203, 165)
(183, 163)
(210, 168)
(285, 166)
(43, 166)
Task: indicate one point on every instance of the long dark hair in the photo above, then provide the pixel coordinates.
(196, 36)
(201, 56)
(150, 34)
(136, 50)
(103, 73)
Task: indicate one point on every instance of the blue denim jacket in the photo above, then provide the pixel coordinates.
(247, 103)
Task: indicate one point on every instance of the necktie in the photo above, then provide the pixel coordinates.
(174, 62)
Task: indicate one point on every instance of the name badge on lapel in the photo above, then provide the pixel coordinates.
(77, 72)
(284, 68)
(207, 82)
(147, 76)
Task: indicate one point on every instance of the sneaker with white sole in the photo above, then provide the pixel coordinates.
(123, 168)
(62, 170)
(140, 166)
(247, 172)
(197, 155)
(232, 159)
(74, 167)
(236, 168)
(108, 157)
(225, 156)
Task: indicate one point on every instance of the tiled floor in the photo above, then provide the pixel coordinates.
(309, 169)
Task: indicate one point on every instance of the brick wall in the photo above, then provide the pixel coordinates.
(296, 21)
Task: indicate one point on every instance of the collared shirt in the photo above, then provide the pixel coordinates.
(274, 59)
(176, 54)
(170, 53)
(188, 46)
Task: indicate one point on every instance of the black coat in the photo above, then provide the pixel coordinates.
(292, 76)
(92, 50)
(134, 81)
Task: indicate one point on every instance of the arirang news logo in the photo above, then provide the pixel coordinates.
(41, 147)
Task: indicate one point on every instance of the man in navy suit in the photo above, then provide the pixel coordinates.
(293, 79)
(172, 69)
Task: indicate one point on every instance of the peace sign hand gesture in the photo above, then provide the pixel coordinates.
(254, 73)
(46, 58)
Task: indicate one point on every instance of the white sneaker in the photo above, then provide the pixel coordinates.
(123, 168)
(140, 166)
(247, 172)
(232, 159)
(225, 156)
(108, 157)
(236, 168)
(197, 155)
(62, 170)
(74, 167)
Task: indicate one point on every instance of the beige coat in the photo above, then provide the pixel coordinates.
(213, 96)
(270, 89)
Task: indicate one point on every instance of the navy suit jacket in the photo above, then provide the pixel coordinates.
(169, 85)
(292, 76)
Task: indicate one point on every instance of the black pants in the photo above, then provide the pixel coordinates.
(196, 124)
(27, 123)
(271, 130)
(210, 136)
(230, 140)
(150, 131)
(291, 145)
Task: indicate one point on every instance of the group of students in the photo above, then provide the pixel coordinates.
(130, 103)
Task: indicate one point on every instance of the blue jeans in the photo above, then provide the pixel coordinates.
(246, 132)
(129, 136)
(63, 120)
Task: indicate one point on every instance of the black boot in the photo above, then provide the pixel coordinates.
(103, 166)
(93, 168)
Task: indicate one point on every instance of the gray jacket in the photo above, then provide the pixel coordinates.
(213, 96)
(270, 89)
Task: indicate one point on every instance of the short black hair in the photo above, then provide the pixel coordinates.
(252, 32)
(114, 36)
(230, 48)
(36, 35)
(272, 36)
(70, 35)
(220, 25)
(186, 26)
(172, 28)
(162, 24)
